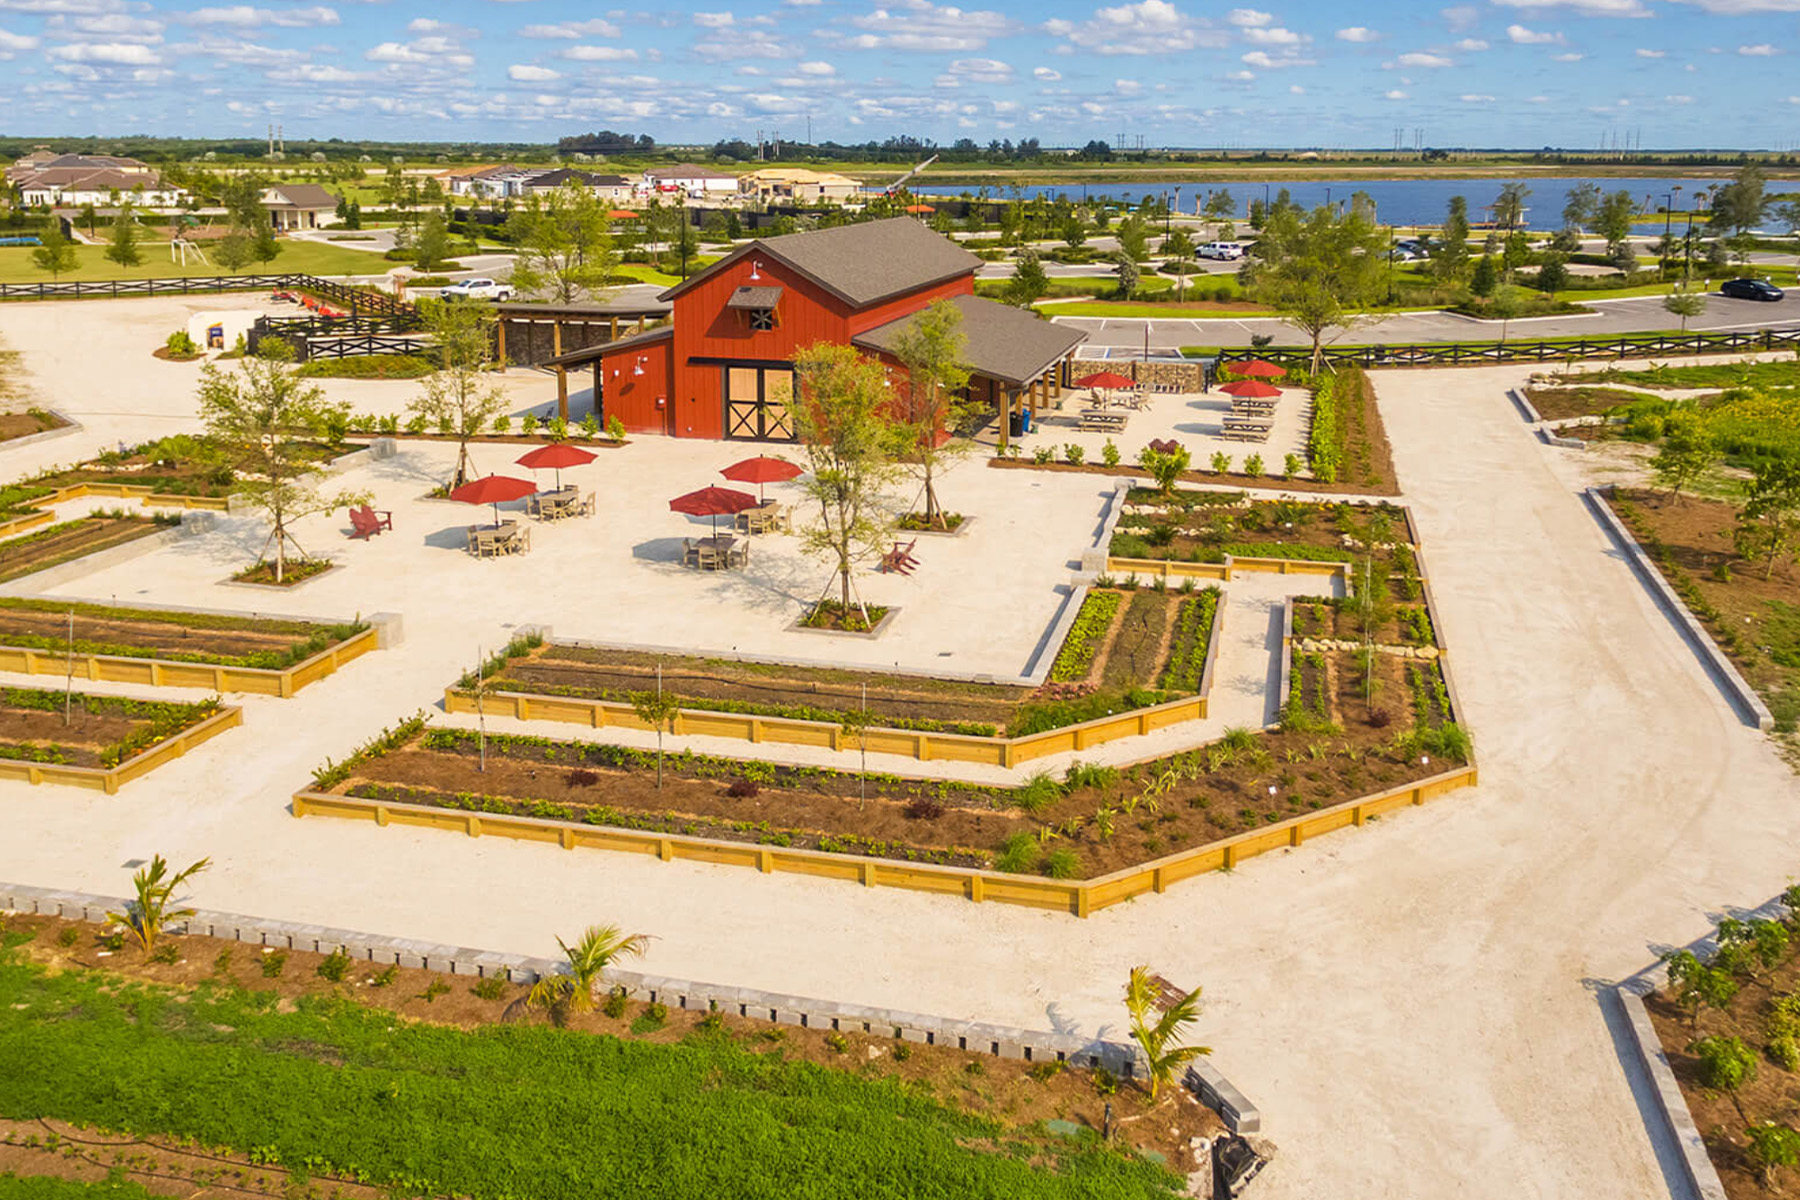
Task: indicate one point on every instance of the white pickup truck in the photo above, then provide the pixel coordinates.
(478, 289)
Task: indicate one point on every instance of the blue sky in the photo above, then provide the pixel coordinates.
(1508, 72)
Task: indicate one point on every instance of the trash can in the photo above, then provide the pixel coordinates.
(1021, 423)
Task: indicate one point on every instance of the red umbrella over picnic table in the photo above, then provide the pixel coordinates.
(760, 470)
(1256, 367)
(713, 502)
(557, 455)
(1251, 388)
(492, 489)
(1105, 379)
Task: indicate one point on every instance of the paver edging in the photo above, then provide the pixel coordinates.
(1526, 408)
(1724, 671)
(1702, 1176)
(975, 1037)
(1563, 443)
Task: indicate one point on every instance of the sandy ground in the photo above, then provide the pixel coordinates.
(1413, 1006)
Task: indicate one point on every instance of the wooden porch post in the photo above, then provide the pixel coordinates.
(562, 374)
(1005, 415)
(614, 336)
(500, 352)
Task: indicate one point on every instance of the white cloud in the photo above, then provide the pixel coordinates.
(1567, 57)
(1045, 74)
(1475, 98)
(1738, 8)
(1531, 37)
(745, 43)
(1678, 99)
(923, 26)
(112, 54)
(1295, 89)
(526, 73)
(714, 20)
(1643, 53)
(1275, 36)
(1127, 87)
(1760, 50)
(1146, 27)
(573, 30)
(244, 16)
(11, 42)
(314, 73)
(1582, 8)
(63, 6)
(1396, 94)
(981, 70)
(1249, 18)
(817, 69)
(110, 27)
(1241, 76)
(1417, 59)
(1461, 17)
(1470, 45)
(1357, 33)
(598, 54)
(1268, 62)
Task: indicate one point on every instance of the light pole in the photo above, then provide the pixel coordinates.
(1668, 216)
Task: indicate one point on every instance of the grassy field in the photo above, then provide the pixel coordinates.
(521, 1110)
(310, 258)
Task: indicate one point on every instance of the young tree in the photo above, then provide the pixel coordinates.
(1134, 238)
(1697, 984)
(1166, 467)
(1739, 205)
(233, 251)
(1129, 278)
(1769, 523)
(90, 216)
(1317, 270)
(658, 710)
(1074, 231)
(258, 413)
(1509, 206)
(432, 246)
(931, 348)
(461, 391)
(1553, 276)
(1687, 453)
(122, 244)
(263, 246)
(1772, 1146)
(1515, 252)
(1179, 249)
(1028, 282)
(1504, 304)
(1451, 262)
(149, 911)
(565, 245)
(54, 253)
(1685, 302)
(1486, 277)
(1157, 1026)
(842, 423)
(1582, 206)
(588, 959)
(1613, 222)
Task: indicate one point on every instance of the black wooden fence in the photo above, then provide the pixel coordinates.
(1465, 354)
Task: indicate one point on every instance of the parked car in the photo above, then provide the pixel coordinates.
(478, 289)
(1751, 289)
(1222, 250)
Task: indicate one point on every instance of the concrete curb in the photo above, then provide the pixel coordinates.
(1721, 667)
(975, 1037)
(1551, 439)
(1526, 408)
(1697, 1165)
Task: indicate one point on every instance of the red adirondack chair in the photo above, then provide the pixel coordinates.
(900, 559)
(366, 522)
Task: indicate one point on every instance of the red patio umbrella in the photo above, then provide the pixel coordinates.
(1105, 379)
(1258, 368)
(1251, 388)
(557, 455)
(492, 489)
(920, 208)
(713, 502)
(760, 470)
(623, 214)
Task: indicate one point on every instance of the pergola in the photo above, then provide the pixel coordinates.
(546, 335)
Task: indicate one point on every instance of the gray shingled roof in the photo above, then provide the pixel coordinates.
(754, 298)
(1004, 343)
(860, 264)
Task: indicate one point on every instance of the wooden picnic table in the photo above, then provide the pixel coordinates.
(769, 515)
(719, 552)
(1097, 421)
(491, 541)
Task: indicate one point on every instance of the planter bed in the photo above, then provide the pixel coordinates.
(23, 424)
(822, 1112)
(1753, 1002)
(103, 731)
(170, 477)
(1332, 619)
(1560, 403)
(1170, 804)
(70, 540)
(253, 642)
(1754, 621)
(1207, 526)
(294, 573)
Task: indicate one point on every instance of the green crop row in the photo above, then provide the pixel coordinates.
(1076, 658)
(1193, 634)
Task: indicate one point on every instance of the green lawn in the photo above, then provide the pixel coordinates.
(521, 1110)
(309, 258)
(1126, 308)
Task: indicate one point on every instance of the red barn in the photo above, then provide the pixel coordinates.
(723, 366)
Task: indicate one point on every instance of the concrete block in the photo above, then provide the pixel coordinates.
(237, 504)
(464, 966)
(909, 1033)
(408, 959)
(1008, 1049)
(198, 520)
(383, 448)
(390, 629)
(789, 1016)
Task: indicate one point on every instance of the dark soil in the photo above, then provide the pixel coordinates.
(89, 535)
(292, 572)
(830, 614)
(1722, 1117)
(24, 424)
(47, 627)
(1187, 528)
(1001, 1089)
(1339, 623)
(78, 744)
(1555, 404)
(1757, 618)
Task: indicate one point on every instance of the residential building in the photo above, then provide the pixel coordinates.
(78, 179)
(796, 185)
(612, 188)
(299, 206)
(723, 366)
(690, 180)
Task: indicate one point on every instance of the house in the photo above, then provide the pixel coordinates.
(612, 188)
(78, 179)
(723, 366)
(691, 180)
(488, 183)
(797, 185)
(299, 206)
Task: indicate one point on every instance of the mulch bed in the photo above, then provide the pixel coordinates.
(58, 544)
(45, 625)
(1204, 526)
(78, 744)
(1002, 1089)
(24, 424)
(1557, 403)
(1233, 478)
(293, 571)
(1758, 619)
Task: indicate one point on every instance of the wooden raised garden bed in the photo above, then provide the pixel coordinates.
(105, 742)
(175, 649)
(70, 540)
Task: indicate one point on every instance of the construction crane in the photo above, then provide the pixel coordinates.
(901, 182)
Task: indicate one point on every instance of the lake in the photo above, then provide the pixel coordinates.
(1397, 201)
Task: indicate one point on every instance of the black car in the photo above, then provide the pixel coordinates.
(1750, 289)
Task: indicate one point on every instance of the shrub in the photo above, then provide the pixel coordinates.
(503, 424)
(1043, 455)
(1062, 863)
(1073, 454)
(615, 428)
(1045, 1071)
(1221, 462)
(1018, 854)
(902, 1050)
(1253, 465)
(590, 426)
(1036, 793)
(490, 988)
(1785, 1051)
(837, 1041)
(333, 965)
(1725, 1062)
(1109, 453)
(180, 345)
(1290, 466)
(273, 964)
(615, 1003)
(528, 424)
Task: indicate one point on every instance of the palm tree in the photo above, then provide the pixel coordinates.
(149, 910)
(1156, 1027)
(588, 958)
